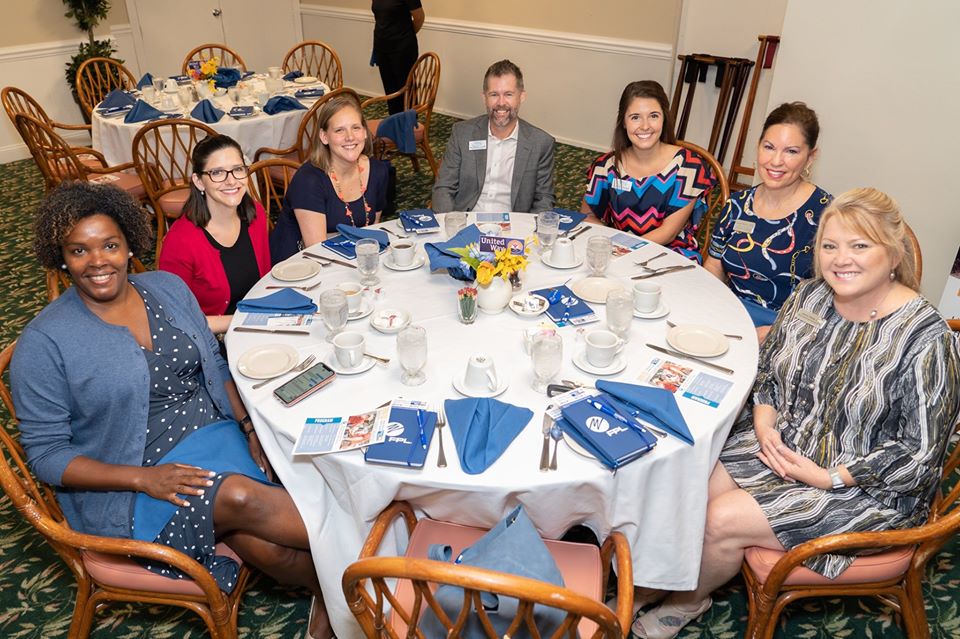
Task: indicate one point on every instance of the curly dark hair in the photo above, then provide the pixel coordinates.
(70, 202)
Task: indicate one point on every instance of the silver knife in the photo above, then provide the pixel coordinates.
(573, 236)
(545, 451)
(663, 271)
(329, 259)
(668, 351)
(288, 331)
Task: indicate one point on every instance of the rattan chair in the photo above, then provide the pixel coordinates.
(269, 180)
(103, 566)
(893, 572)
(386, 612)
(161, 154)
(419, 93)
(228, 57)
(917, 253)
(715, 198)
(315, 58)
(97, 77)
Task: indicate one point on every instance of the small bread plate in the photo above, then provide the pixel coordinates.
(305, 79)
(547, 259)
(618, 364)
(529, 305)
(418, 261)
(365, 364)
(595, 289)
(460, 384)
(390, 320)
(366, 307)
(697, 340)
(576, 447)
(660, 311)
(295, 270)
(267, 360)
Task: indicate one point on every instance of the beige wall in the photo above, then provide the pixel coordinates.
(653, 20)
(34, 21)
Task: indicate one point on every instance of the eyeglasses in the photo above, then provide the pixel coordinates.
(220, 175)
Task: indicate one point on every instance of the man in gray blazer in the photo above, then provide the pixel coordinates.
(497, 162)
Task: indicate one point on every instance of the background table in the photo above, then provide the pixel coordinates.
(658, 502)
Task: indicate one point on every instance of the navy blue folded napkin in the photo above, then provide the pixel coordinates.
(142, 112)
(482, 429)
(570, 219)
(652, 404)
(399, 128)
(226, 77)
(247, 74)
(206, 112)
(345, 243)
(605, 437)
(145, 81)
(283, 301)
(419, 221)
(293, 75)
(441, 256)
(310, 94)
(281, 103)
(118, 98)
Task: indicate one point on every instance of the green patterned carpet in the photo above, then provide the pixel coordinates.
(37, 590)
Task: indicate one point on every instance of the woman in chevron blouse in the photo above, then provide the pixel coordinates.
(648, 185)
(856, 397)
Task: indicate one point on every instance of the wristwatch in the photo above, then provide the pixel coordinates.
(246, 425)
(835, 478)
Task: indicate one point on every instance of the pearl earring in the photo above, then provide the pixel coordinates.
(130, 254)
(203, 193)
(893, 275)
(63, 266)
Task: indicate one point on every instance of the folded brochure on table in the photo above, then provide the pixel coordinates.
(335, 434)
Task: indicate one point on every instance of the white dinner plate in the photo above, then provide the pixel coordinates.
(267, 360)
(295, 270)
(460, 384)
(697, 340)
(618, 364)
(524, 308)
(418, 261)
(547, 258)
(390, 320)
(305, 79)
(661, 310)
(365, 364)
(595, 289)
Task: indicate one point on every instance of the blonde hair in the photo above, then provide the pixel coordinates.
(877, 216)
(320, 157)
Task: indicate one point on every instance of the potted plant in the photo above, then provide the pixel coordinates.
(87, 14)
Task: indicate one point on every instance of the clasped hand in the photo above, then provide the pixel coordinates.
(169, 481)
(787, 463)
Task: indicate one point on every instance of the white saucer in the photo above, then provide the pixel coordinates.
(460, 385)
(619, 363)
(365, 364)
(381, 320)
(546, 259)
(697, 340)
(305, 79)
(517, 305)
(295, 270)
(594, 289)
(418, 261)
(656, 313)
(366, 307)
(267, 360)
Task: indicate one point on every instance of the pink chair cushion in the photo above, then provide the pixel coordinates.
(578, 563)
(123, 572)
(277, 172)
(126, 181)
(865, 568)
(172, 202)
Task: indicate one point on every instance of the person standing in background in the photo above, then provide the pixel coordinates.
(395, 49)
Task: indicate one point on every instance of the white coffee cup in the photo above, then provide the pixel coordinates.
(274, 72)
(170, 86)
(349, 348)
(481, 374)
(354, 293)
(489, 229)
(563, 253)
(602, 347)
(403, 252)
(646, 297)
(149, 94)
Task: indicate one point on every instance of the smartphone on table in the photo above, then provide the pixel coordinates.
(304, 384)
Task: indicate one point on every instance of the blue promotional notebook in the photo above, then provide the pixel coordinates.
(565, 307)
(404, 445)
(419, 221)
(609, 440)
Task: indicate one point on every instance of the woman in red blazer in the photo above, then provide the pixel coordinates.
(219, 246)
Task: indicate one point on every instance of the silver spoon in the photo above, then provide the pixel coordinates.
(302, 366)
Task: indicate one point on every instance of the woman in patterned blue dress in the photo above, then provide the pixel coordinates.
(647, 185)
(856, 397)
(762, 242)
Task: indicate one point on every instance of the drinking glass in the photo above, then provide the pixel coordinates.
(598, 255)
(548, 227)
(234, 94)
(412, 352)
(453, 223)
(547, 354)
(158, 82)
(620, 312)
(333, 309)
(368, 259)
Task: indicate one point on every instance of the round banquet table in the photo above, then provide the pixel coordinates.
(114, 138)
(658, 501)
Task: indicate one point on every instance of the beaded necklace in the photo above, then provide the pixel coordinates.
(363, 197)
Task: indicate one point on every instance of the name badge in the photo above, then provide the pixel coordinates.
(810, 318)
(619, 184)
(478, 145)
(744, 226)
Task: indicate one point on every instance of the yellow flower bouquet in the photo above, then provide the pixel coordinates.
(501, 263)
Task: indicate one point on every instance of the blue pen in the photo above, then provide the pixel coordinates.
(423, 436)
(606, 410)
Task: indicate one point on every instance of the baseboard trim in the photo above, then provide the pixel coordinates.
(19, 151)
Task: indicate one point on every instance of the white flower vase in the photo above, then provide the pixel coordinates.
(495, 296)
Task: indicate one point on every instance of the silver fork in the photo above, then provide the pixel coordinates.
(441, 422)
(298, 287)
(727, 335)
(319, 261)
(393, 233)
(302, 366)
(650, 259)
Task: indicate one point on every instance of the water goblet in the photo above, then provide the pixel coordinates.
(412, 353)
(453, 223)
(158, 83)
(548, 227)
(547, 354)
(620, 312)
(598, 255)
(333, 309)
(368, 260)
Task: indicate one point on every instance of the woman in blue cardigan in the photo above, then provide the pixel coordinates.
(126, 406)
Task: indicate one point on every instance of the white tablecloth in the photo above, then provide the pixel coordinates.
(658, 502)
